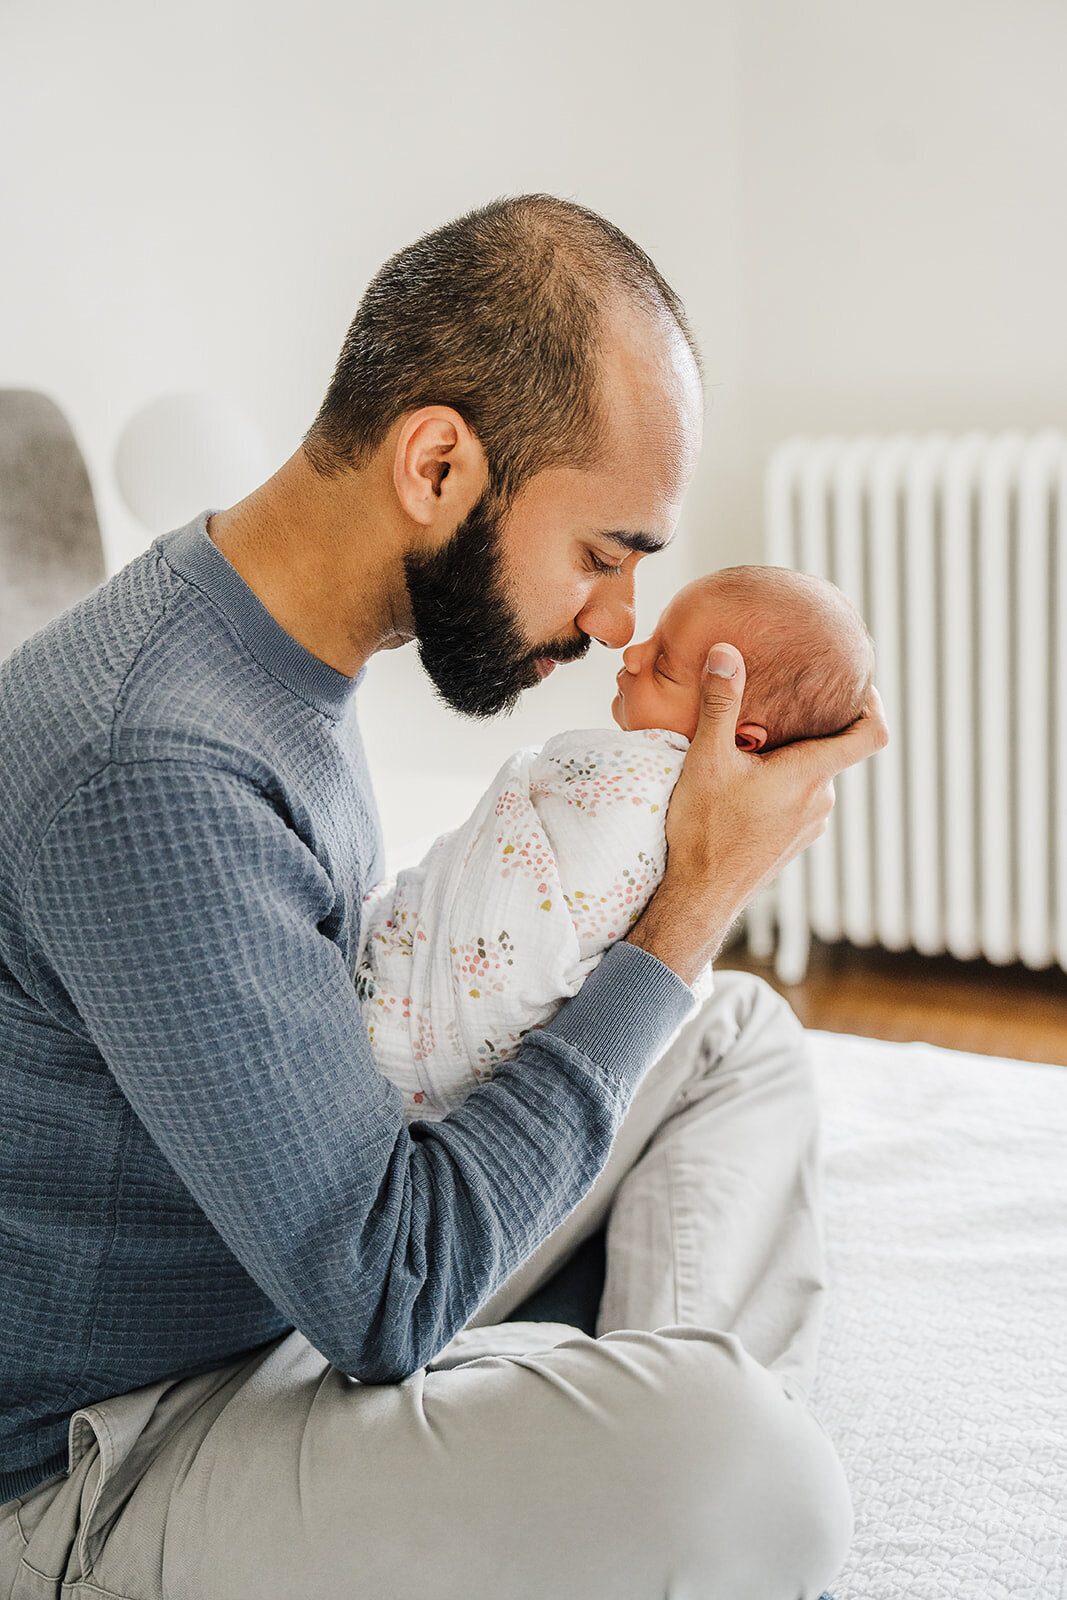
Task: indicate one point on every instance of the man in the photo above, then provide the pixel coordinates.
(199, 1157)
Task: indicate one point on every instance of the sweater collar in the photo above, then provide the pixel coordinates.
(191, 552)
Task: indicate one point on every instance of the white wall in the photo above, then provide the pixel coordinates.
(862, 205)
(902, 238)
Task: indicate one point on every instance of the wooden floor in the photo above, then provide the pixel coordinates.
(962, 1005)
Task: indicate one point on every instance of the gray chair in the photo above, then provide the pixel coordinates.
(50, 549)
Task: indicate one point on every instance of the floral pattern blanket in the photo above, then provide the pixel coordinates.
(506, 916)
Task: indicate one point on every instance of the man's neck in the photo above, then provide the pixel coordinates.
(325, 560)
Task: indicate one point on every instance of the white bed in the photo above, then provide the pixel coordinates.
(943, 1378)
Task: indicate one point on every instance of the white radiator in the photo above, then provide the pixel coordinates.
(953, 838)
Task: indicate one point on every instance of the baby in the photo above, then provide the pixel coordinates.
(506, 916)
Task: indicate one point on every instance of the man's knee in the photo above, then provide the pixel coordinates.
(742, 1002)
(752, 1496)
(746, 1022)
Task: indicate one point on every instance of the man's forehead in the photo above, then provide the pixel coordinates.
(653, 396)
(650, 455)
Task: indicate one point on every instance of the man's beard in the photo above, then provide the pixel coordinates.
(469, 638)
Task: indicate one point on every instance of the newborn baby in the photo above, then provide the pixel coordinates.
(506, 916)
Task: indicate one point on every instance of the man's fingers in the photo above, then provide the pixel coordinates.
(874, 711)
(867, 735)
(721, 690)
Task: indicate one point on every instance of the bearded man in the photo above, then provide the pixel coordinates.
(254, 1326)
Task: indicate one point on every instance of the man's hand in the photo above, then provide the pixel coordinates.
(736, 818)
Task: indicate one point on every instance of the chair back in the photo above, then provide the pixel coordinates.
(50, 549)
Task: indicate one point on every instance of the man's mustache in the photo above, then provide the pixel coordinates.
(563, 650)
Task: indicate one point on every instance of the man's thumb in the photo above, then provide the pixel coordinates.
(723, 685)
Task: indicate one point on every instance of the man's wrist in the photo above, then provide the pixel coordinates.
(682, 929)
(624, 1013)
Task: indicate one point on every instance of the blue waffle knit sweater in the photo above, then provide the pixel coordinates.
(196, 1151)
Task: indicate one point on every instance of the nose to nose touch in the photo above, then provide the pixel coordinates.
(611, 624)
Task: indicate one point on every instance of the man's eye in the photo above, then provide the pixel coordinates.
(605, 566)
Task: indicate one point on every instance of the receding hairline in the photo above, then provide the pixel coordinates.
(605, 257)
(572, 266)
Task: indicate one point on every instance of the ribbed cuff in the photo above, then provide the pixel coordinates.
(625, 1012)
(13, 1484)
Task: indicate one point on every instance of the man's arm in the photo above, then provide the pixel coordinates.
(737, 818)
(186, 921)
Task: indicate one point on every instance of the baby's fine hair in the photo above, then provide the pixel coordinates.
(809, 657)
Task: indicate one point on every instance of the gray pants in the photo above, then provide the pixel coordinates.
(671, 1458)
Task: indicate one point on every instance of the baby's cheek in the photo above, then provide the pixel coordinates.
(676, 707)
(642, 708)
(663, 706)
(688, 713)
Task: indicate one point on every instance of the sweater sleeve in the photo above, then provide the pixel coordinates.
(182, 918)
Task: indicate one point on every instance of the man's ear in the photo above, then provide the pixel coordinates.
(750, 736)
(439, 468)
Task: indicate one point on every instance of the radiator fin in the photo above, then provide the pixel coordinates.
(954, 551)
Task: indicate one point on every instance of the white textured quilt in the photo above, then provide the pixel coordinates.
(943, 1377)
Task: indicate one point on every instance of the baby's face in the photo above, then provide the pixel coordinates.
(659, 685)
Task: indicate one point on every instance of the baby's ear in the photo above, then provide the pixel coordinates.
(750, 736)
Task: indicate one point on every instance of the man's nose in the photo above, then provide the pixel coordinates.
(610, 619)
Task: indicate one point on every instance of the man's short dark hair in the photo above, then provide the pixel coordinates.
(498, 315)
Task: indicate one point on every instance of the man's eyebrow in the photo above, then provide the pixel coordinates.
(647, 543)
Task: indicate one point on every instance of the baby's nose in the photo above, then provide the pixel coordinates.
(629, 658)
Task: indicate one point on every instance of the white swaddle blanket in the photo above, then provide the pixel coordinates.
(505, 917)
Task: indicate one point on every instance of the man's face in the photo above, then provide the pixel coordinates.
(470, 636)
(510, 594)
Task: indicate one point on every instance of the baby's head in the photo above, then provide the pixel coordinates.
(808, 657)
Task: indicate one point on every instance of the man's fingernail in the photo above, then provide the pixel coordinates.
(722, 663)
